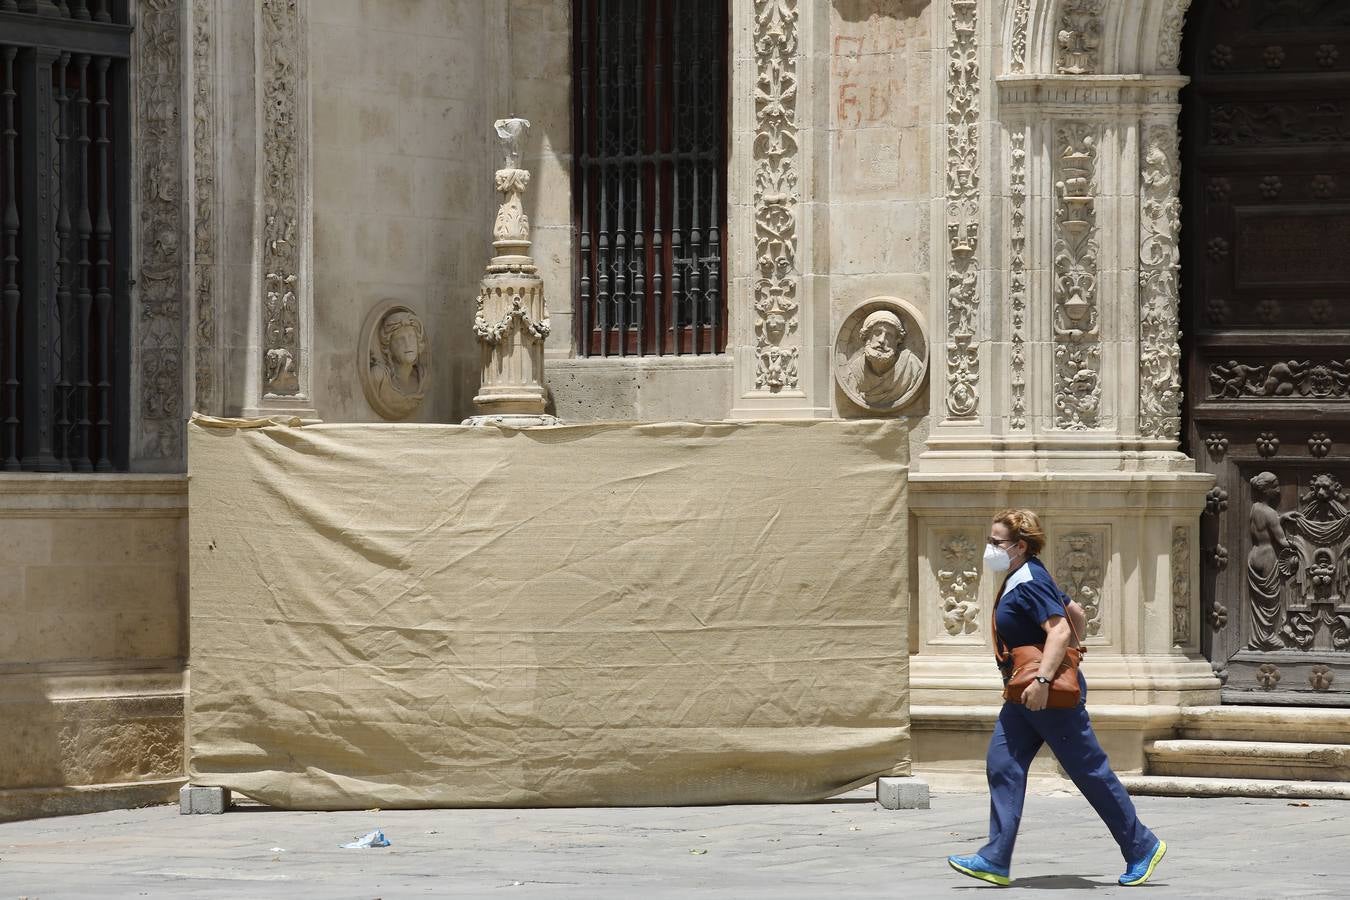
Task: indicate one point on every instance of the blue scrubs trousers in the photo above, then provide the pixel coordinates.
(1018, 736)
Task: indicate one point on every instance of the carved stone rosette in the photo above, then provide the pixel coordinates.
(776, 196)
(1079, 39)
(1181, 585)
(280, 28)
(205, 226)
(1017, 279)
(159, 278)
(963, 210)
(1079, 571)
(1077, 326)
(1160, 261)
(511, 318)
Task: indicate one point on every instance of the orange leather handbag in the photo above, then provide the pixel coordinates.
(1024, 662)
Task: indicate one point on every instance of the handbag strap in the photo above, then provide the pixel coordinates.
(1001, 653)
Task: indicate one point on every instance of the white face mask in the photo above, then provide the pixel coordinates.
(996, 558)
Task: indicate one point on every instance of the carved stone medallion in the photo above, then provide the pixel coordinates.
(881, 356)
(393, 360)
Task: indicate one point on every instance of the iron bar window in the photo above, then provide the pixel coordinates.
(649, 183)
(64, 235)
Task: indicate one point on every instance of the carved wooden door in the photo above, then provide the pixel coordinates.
(1266, 284)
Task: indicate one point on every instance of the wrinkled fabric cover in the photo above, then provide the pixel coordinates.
(424, 616)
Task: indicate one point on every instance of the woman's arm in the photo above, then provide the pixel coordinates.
(1057, 637)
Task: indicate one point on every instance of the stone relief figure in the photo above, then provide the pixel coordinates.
(1268, 562)
(395, 376)
(874, 367)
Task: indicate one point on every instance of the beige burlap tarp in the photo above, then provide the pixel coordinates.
(416, 616)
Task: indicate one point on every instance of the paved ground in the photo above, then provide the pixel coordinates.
(843, 848)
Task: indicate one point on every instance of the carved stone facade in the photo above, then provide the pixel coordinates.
(157, 435)
(963, 210)
(776, 196)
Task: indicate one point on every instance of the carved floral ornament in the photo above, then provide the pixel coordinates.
(963, 210)
(881, 356)
(776, 195)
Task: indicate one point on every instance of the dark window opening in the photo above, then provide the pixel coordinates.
(64, 235)
(649, 182)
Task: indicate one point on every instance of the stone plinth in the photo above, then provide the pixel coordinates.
(511, 318)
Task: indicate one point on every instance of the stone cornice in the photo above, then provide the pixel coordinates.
(1102, 96)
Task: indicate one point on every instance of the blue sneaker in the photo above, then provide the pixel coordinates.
(976, 866)
(1141, 871)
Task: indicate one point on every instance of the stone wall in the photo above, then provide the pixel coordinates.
(881, 166)
(93, 591)
(403, 156)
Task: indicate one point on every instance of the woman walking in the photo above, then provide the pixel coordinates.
(1033, 612)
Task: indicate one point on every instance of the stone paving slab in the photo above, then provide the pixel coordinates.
(843, 848)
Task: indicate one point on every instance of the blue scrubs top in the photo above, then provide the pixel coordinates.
(1029, 598)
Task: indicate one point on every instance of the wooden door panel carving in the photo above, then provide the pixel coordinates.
(1266, 295)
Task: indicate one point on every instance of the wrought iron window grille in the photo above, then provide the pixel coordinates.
(64, 235)
(649, 179)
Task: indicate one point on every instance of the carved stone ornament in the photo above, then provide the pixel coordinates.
(511, 316)
(160, 228)
(281, 198)
(1021, 15)
(963, 210)
(1079, 38)
(881, 355)
(1285, 379)
(1077, 328)
(1298, 578)
(1169, 42)
(1078, 570)
(776, 196)
(1181, 585)
(392, 360)
(958, 585)
(205, 226)
(1160, 263)
(1017, 279)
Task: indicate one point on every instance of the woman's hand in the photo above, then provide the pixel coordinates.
(1036, 696)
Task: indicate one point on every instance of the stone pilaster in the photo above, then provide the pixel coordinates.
(779, 331)
(280, 358)
(158, 395)
(204, 273)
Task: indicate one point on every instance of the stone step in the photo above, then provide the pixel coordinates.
(1176, 786)
(1265, 723)
(1279, 760)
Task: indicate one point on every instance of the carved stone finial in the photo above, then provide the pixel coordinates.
(511, 317)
